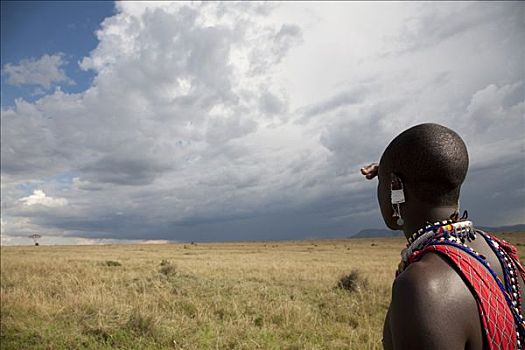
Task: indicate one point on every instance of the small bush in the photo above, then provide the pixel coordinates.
(112, 263)
(353, 282)
(167, 268)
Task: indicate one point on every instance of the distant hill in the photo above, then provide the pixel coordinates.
(379, 232)
(512, 228)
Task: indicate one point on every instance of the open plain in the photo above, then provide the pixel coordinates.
(325, 294)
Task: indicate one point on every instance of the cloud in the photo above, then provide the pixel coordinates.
(273, 46)
(124, 169)
(434, 25)
(342, 99)
(494, 105)
(498, 111)
(272, 104)
(40, 198)
(45, 72)
(217, 121)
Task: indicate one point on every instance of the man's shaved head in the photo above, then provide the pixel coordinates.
(430, 159)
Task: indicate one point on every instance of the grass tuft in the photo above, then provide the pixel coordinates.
(112, 263)
(167, 268)
(353, 282)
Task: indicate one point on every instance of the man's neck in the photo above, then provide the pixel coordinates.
(421, 215)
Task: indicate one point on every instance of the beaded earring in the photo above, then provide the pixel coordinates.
(397, 196)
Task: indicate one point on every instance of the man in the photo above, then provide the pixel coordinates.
(456, 287)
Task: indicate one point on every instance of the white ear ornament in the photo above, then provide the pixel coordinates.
(397, 196)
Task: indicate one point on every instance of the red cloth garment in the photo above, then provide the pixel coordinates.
(498, 323)
(512, 252)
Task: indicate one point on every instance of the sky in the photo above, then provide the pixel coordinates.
(159, 121)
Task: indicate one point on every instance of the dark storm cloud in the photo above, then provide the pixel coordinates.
(124, 171)
(310, 221)
(504, 201)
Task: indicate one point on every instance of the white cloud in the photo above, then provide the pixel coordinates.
(40, 198)
(45, 72)
(2, 224)
(493, 106)
(72, 240)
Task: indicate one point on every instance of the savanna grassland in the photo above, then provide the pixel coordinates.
(329, 294)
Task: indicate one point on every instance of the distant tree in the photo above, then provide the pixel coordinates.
(35, 238)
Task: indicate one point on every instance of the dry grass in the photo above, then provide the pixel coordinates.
(265, 295)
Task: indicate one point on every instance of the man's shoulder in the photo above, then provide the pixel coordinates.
(430, 274)
(433, 279)
(427, 298)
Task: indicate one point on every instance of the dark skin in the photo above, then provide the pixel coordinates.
(431, 308)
